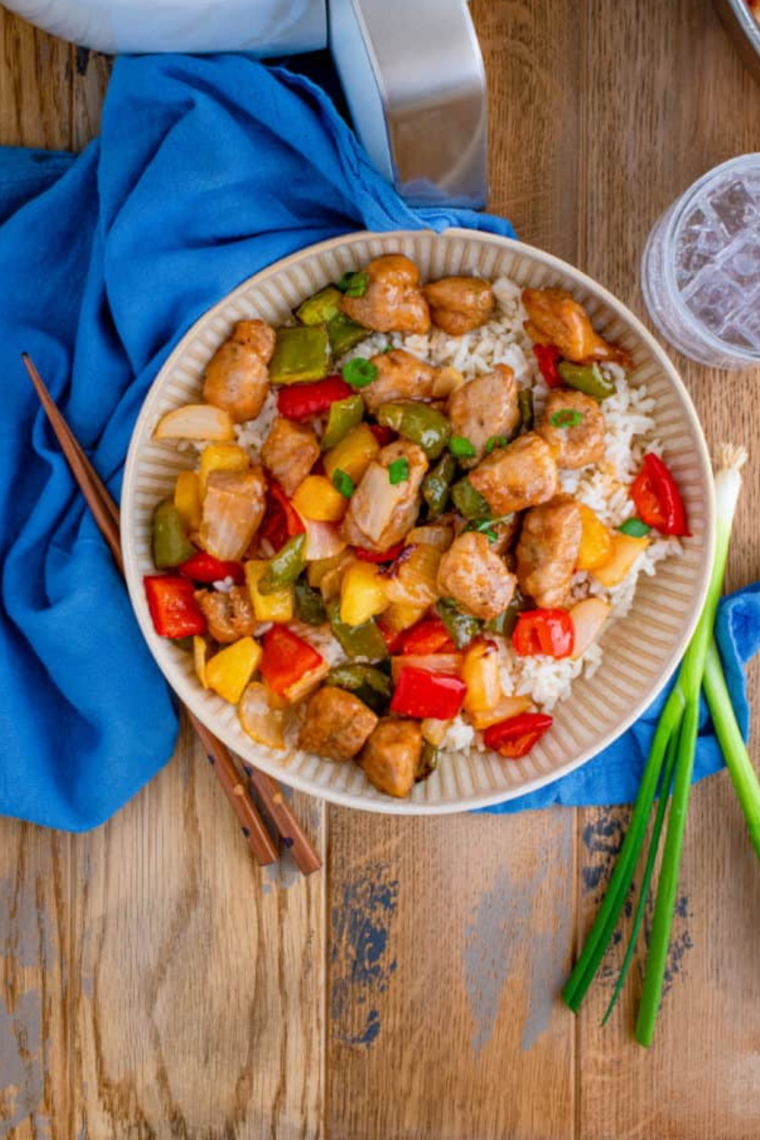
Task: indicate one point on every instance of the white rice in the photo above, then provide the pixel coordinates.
(603, 487)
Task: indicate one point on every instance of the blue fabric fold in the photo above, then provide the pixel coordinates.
(207, 170)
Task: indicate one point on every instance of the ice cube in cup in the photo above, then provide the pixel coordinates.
(734, 205)
(742, 261)
(714, 301)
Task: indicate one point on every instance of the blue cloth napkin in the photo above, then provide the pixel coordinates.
(207, 170)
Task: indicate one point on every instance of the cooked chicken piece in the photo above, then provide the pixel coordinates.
(391, 756)
(228, 616)
(236, 377)
(289, 453)
(521, 475)
(506, 533)
(233, 508)
(337, 724)
(485, 408)
(547, 552)
(393, 301)
(574, 444)
(380, 512)
(401, 376)
(475, 577)
(556, 318)
(459, 304)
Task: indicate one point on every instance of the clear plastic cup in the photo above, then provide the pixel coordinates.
(700, 273)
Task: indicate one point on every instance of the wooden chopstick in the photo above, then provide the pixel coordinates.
(106, 514)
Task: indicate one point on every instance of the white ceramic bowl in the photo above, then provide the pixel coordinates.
(641, 650)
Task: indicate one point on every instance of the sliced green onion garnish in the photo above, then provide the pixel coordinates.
(398, 471)
(354, 284)
(485, 526)
(566, 418)
(634, 527)
(343, 482)
(461, 448)
(359, 372)
(494, 442)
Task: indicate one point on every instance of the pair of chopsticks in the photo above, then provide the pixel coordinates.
(106, 514)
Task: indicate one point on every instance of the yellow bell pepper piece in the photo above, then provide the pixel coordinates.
(229, 671)
(353, 454)
(480, 672)
(625, 551)
(221, 457)
(268, 607)
(187, 499)
(362, 595)
(596, 541)
(200, 658)
(317, 499)
(400, 616)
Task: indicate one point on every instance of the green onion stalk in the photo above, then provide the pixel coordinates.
(727, 486)
(671, 758)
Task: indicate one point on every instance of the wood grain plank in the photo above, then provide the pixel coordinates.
(90, 72)
(35, 1024)
(35, 86)
(450, 937)
(449, 940)
(34, 995)
(649, 131)
(199, 976)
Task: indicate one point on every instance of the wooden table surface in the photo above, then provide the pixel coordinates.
(154, 983)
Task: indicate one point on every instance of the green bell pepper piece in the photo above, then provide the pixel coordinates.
(309, 606)
(300, 354)
(366, 682)
(462, 627)
(634, 527)
(321, 307)
(428, 762)
(587, 378)
(418, 423)
(525, 407)
(285, 567)
(363, 640)
(437, 484)
(344, 334)
(470, 502)
(171, 546)
(504, 623)
(342, 417)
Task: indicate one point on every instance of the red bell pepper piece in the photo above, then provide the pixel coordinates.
(389, 555)
(516, 736)
(302, 401)
(391, 637)
(547, 632)
(281, 520)
(383, 435)
(421, 694)
(172, 605)
(427, 636)
(548, 357)
(286, 658)
(203, 567)
(657, 498)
